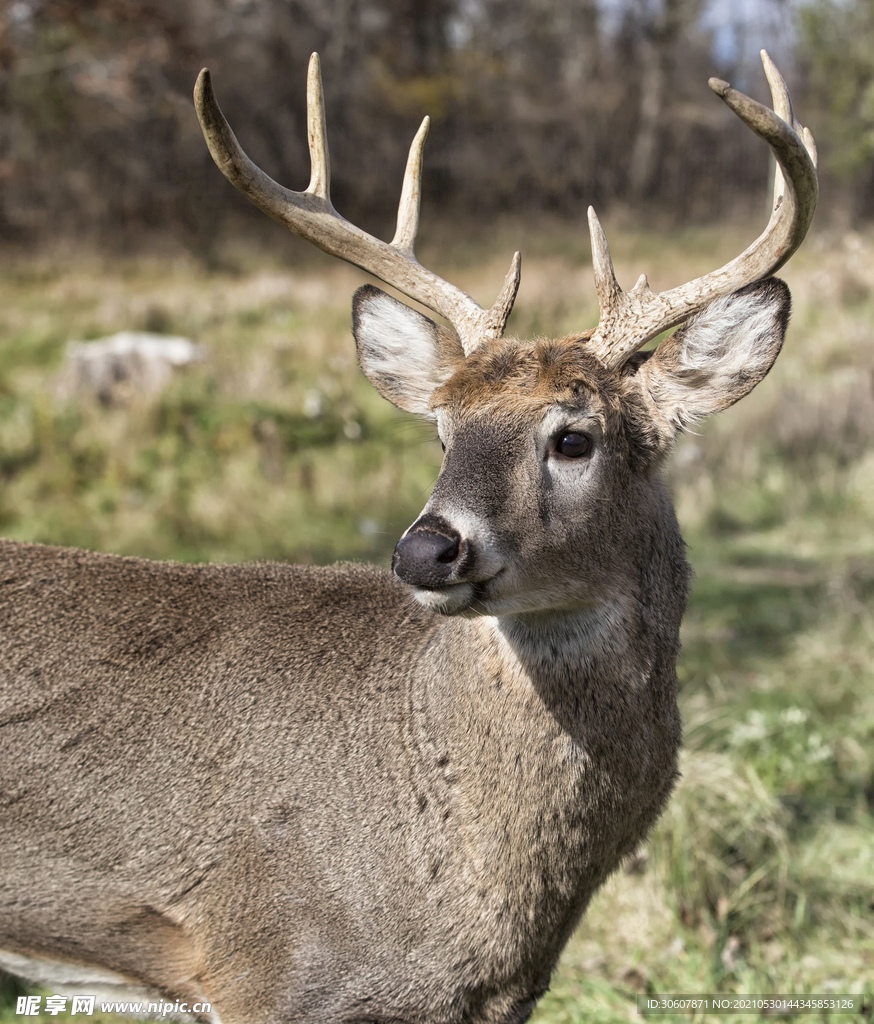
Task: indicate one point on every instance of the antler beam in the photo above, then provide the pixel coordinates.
(630, 319)
(312, 216)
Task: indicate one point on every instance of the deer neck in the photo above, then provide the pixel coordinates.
(548, 647)
(545, 699)
(538, 750)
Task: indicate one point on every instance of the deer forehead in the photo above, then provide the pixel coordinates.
(522, 379)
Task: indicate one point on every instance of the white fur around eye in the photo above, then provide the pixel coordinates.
(399, 350)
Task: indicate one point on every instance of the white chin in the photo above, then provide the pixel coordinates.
(447, 601)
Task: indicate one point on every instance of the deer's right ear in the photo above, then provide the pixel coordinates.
(403, 354)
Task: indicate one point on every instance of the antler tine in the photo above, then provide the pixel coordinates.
(317, 136)
(311, 216)
(411, 194)
(782, 102)
(629, 320)
(606, 285)
(499, 314)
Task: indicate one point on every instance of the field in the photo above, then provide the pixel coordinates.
(760, 877)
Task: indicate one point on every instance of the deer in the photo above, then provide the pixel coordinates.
(271, 793)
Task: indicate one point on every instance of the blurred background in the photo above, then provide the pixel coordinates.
(225, 418)
(540, 106)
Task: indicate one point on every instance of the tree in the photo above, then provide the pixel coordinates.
(837, 53)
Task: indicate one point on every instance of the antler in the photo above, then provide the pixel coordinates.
(630, 319)
(312, 216)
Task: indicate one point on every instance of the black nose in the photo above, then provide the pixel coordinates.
(426, 556)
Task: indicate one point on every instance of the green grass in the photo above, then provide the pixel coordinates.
(275, 448)
(760, 876)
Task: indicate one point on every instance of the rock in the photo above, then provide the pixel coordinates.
(125, 366)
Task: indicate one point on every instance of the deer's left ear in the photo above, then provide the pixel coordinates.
(403, 354)
(719, 355)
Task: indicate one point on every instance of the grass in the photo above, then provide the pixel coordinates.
(760, 876)
(275, 448)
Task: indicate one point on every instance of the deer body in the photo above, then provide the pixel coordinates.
(229, 747)
(345, 795)
(413, 850)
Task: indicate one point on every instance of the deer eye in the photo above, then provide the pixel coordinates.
(573, 445)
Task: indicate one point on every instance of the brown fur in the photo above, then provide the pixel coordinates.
(304, 796)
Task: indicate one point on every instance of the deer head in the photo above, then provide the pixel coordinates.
(551, 446)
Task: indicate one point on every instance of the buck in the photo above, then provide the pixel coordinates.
(280, 794)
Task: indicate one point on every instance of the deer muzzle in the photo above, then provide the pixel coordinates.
(431, 555)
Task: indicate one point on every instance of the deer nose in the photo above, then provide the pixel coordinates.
(426, 556)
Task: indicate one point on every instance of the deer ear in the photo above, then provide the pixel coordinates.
(403, 354)
(720, 354)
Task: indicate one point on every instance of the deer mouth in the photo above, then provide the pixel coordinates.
(452, 599)
(465, 597)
